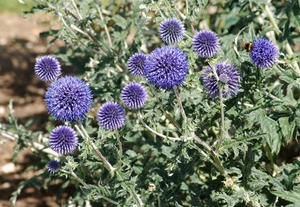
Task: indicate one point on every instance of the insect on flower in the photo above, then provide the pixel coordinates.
(248, 46)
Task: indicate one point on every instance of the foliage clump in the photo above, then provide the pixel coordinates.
(175, 144)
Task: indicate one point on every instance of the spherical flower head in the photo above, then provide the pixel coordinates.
(171, 31)
(63, 139)
(166, 67)
(134, 95)
(264, 53)
(111, 116)
(53, 166)
(47, 68)
(136, 64)
(206, 43)
(68, 99)
(229, 80)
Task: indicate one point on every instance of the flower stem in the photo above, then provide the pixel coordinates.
(131, 191)
(29, 143)
(214, 155)
(180, 104)
(221, 130)
(74, 5)
(270, 157)
(287, 45)
(105, 26)
(85, 135)
(206, 156)
(140, 117)
(120, 144)
(166, 113)
(88, 187)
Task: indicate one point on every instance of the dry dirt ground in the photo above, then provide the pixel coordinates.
(20, 44)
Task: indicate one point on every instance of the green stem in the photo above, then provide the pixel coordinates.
(88, 187)
(74, 5)
(120, 144)
(214, 155)
(170, 8)
(278, 32)
(206, 156)
(180, 104)
(221, 131)
(85, 135)
(105, 26)
(158, 201)
(14, 137)
(270, 157)
(187, 6)
(140, 117)
(166, 113)
(131, 191)
(88, 33)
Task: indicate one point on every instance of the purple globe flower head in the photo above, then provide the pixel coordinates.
(68, 99)
(47, 68)
(229, 79)
(264, 53)
(166, 67)
(134, 95)
(206, 43)
(111, 116)
(136, 64)
(53, 166)
(171, 31)
(63, 139)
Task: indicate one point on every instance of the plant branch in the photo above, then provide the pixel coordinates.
(88, 187)
(278, 32)
(105, 26)
(166, 113)
(221, 130)
(120, 144)
(84, 134)
(214, 155)
(29, 143)
(180, 104)
(140, 117)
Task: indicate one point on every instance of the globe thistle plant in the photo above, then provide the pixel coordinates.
(229, 80)
(171, 31)
(47, 68)
(63, 139)
(111, 116)
(134, 95)
(53, 166)
(136, 64)
(68, 99)
(264, 53)
(166, 67)
(206, 44)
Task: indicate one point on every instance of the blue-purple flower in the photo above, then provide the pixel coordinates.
(53, 166)
(206, 43)
(166, 67)
(111, 116)
(47, 68)
(63, 139)
(134, 95)
(229, 80)
(171, 31)
(264, 53)
(136, 64)
(68, 99)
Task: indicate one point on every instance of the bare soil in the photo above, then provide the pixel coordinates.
(20, 45)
